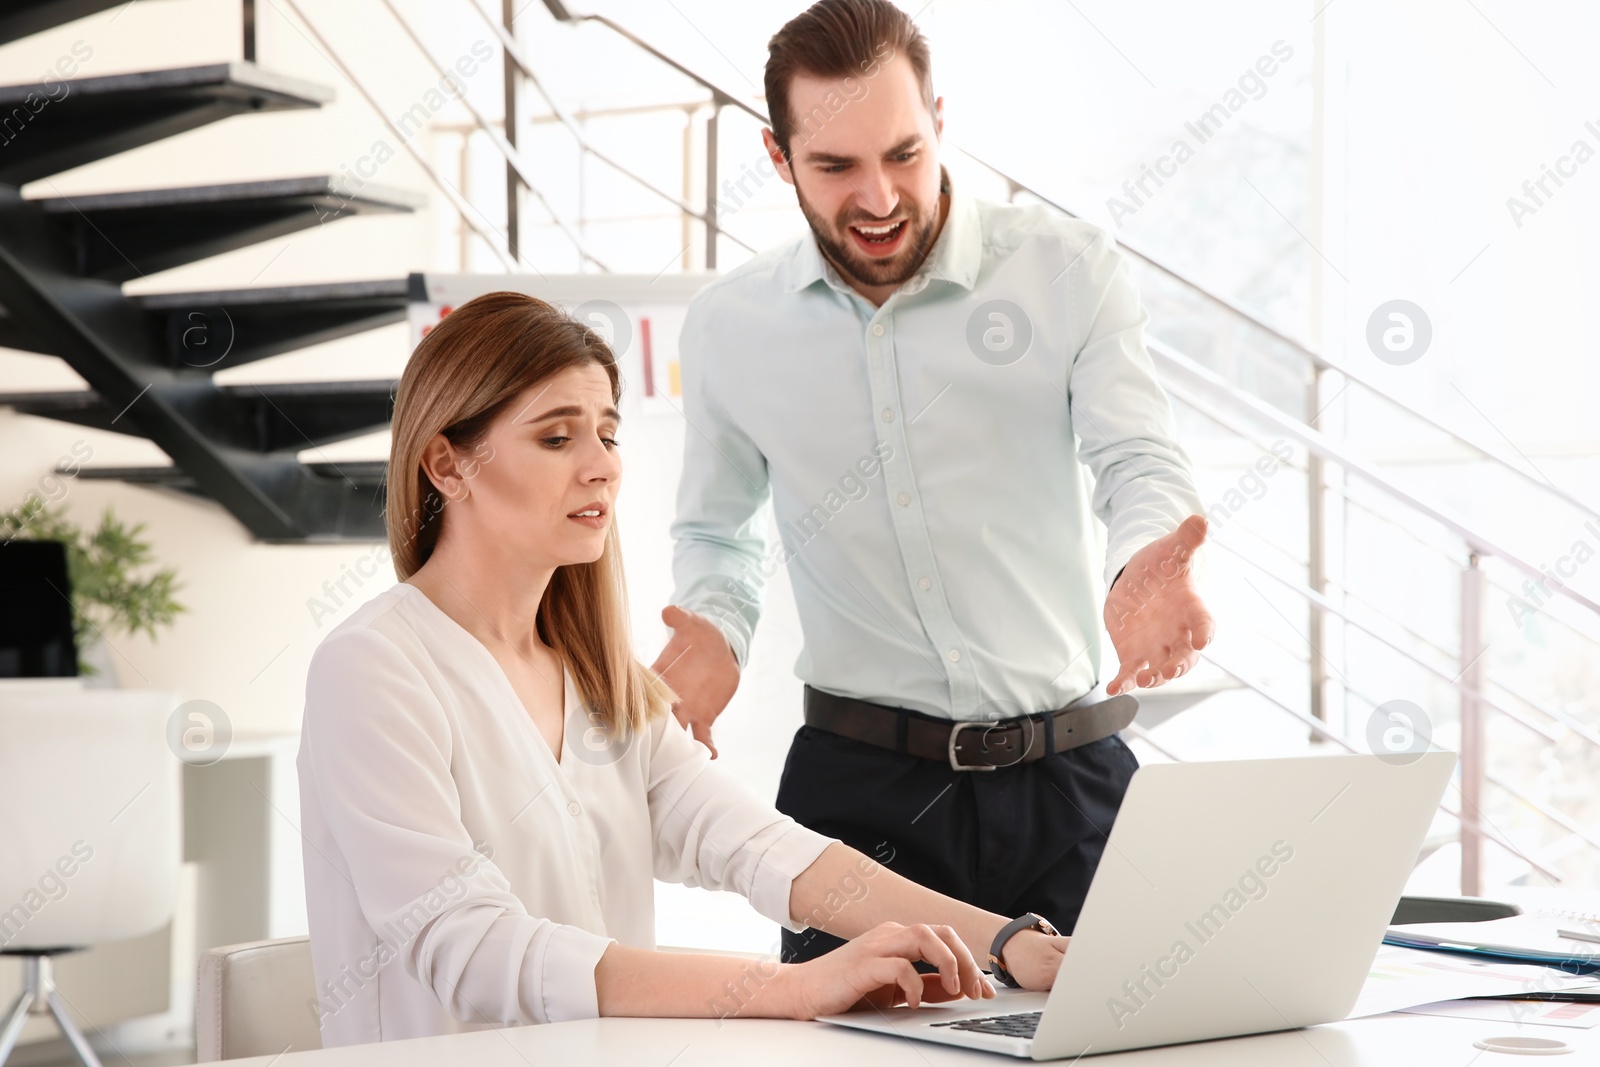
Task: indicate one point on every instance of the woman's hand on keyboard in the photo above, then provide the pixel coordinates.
(876, 970)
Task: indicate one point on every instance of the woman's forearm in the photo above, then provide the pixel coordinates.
(843, 892)
(847, 893)
(636, 981)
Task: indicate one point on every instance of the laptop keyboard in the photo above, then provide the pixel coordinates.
(1018, 1024)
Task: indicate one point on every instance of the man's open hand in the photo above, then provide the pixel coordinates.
(1154, 614)
(701, 669)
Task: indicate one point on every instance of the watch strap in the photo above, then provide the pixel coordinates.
(1030, 921)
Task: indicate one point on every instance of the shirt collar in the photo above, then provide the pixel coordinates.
(956, 256)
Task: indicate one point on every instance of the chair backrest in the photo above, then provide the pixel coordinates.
(90, 815)
(1450, 910)
(255, 999)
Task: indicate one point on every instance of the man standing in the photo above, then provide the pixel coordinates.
(917, 386)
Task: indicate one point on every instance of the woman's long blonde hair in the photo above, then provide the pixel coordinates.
(466, 371)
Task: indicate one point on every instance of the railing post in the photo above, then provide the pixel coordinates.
(1316, 553)
(1474, 586)
(508, 16)
(247, 13)
(711, 183)
(686, 217)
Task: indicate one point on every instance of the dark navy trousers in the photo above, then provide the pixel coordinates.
(1018, 839)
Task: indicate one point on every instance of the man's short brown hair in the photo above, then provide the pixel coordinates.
(845, 39)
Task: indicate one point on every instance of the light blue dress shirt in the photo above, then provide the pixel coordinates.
(926, 461)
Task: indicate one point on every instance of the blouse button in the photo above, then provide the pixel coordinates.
(572, 807)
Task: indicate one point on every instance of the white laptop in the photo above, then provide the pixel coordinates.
(1233, 898)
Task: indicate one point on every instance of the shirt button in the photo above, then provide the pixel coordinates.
(572, 807)
(924, 583)
(955, 655)
(903, 499)
(877, 329)
(888, 414)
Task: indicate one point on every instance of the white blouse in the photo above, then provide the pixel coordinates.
(458, 877)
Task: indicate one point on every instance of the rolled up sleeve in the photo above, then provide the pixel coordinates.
(558, 980)
(712, 832)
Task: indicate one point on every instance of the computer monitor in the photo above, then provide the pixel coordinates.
(35, 611)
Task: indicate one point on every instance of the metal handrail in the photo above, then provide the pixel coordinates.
(720, 96)
(507, 150)
(1315, 442)
(1550, 814)
(1360, 505)
(1475, 694)
(1319, 360)
(1555, 815)
(1321, 603)
(1352, 501)
(1561, 717)
(1474, 773)
(1139, 733)
(514, 52)
(450, 192)
(1316, 726)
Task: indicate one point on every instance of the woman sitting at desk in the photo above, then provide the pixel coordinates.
(490, 781)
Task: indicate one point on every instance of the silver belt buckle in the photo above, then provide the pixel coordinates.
(956, 765)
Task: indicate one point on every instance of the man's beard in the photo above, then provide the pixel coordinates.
(865, 270)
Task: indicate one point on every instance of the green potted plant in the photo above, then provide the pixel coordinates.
(115, 586)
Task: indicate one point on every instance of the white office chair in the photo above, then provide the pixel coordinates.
(90, 828)
(254, 999)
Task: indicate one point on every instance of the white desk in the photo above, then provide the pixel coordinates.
(1394, 1040)
(1397, 1040)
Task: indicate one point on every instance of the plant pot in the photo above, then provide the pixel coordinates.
(99, 656)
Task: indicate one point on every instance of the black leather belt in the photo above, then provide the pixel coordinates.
(969, 745)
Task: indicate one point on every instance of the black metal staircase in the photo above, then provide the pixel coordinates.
(23, 18)
(150, 360)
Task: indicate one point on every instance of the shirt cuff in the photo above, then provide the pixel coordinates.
(735, 636)
(1117, 561)
(784, 861)
(561, 975)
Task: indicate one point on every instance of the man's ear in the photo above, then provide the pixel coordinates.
(938, 116)
(774, 153)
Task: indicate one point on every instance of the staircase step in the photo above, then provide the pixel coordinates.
(24, 18)
(82, 407)
(258, 418)
(290, 417)
(85, 119)
(206, 332)
(120, 236)
(337, 501)
(363, 473)
(14, 335)
(239, 449)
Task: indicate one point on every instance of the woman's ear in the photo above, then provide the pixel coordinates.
(440, 464)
